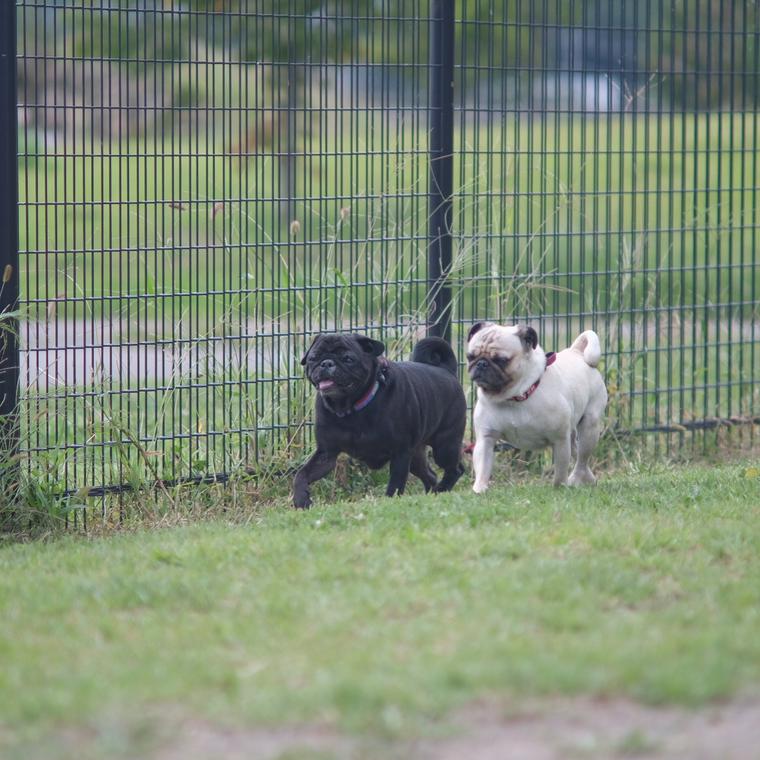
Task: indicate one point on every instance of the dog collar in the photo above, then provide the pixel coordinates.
(550, 358)
(357, 406)
(366, 399)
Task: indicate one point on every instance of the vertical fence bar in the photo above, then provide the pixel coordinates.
(9, 289)
(441, 131)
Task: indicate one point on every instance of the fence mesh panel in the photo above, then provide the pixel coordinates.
(607, 175)
(205, 185)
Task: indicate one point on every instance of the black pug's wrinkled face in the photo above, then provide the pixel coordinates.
(341, 366)
(496, 356)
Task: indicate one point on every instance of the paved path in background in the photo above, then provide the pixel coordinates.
(80, 352)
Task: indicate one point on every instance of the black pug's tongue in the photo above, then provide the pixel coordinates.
(325, 384)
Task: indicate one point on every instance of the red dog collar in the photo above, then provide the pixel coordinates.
(550, 359)
(367, 397)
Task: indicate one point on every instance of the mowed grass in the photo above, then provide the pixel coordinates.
(380, 616)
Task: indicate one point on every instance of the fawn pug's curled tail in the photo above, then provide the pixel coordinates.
(587, 343)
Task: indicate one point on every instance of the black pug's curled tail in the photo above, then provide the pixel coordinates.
(436, 352)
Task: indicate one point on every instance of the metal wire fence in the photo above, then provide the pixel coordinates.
(203, 186)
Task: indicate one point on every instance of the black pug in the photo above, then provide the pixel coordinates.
(379, 411)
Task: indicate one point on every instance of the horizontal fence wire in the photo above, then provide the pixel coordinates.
(204, 186)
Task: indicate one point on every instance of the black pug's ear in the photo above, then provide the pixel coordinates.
(476, 328)
(528, 336)
(374, 347)
(309, 350)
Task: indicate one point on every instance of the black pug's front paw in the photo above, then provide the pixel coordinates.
(301, 499)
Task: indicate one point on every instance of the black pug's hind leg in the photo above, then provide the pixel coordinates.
(317, 466)
(448, 456)
(422, 469)
(399, 473)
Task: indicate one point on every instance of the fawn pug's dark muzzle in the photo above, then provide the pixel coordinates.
(488, 373)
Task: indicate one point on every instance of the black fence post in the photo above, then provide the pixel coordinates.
(9, 243)
(441, 135)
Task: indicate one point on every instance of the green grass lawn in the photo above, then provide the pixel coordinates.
(379, 616)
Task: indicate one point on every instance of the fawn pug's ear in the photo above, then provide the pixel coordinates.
(528, 336)
(476, 328)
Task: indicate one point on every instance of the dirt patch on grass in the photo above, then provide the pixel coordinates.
(201, 741)
(540, 730)
(555, 730)
(613, 728)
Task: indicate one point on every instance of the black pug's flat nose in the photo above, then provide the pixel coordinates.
(327, 364)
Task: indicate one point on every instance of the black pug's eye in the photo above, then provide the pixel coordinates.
(348, 359)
